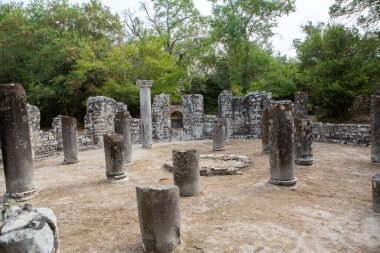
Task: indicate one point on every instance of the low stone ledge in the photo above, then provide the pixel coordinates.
(218, 165)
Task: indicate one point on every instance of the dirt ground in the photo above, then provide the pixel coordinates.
(330, 210)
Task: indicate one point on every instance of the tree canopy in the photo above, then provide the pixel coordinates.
(64, 52)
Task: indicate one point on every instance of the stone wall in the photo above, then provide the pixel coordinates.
(244, 113)
(342, 133)
(189, 114)
(99, 120)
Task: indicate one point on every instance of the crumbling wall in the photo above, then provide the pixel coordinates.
(244, 113)
(208, 122)
(99, 120)
(342, 133)
(191, 111)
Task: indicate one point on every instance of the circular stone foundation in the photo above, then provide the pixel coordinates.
(218, 165)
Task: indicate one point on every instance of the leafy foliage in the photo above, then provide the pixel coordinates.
(367, 12)
(336, 64)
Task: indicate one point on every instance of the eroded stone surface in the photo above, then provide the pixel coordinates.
(219, 165)
(375, 129)
(281, 134)
(28, 229)
(159, 217)
(114, 156)
(376, 192)
(303, 141)
(300, 105)
(16, 143)
(69, 139)
(123, 127)
(186, 172)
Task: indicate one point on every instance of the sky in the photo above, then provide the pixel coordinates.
(289, 27)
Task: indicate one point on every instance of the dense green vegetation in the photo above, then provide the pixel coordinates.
(63, 52)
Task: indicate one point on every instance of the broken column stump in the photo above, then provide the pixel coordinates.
(218, 135)
(265, 130)
(376, 192)
(159, 217)
(300, 105)
(123, 127)
(114, 154)
(375, 129)
(186, 172)
(15, 143)
(27, 229)
(303, 141)
(281, 134)
(69, 139)
(145, 113)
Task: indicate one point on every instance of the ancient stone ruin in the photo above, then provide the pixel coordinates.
(28, 229)
(159, 216)
(186, 172)
(16, 143)
(281, 134)
(182, 122)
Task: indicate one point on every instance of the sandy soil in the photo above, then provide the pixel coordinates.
(330, 210)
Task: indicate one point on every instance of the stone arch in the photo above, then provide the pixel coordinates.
(176, 119)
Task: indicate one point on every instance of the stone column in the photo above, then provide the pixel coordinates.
(145, 112)
(224, 121)
(300, 105)
(123, 127)
(69, 139)
(265, 130)
(159, 216)
(186, 172)
(303, 141)
(376, 192)
(218, 133)
(375, 129)
(15, 143)
(281, 145)
(114, 153)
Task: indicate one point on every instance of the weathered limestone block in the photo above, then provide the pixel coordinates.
(376, 192)
(114, 154)
(16, 143)
(375, 129)
(193, 116)
(69, 139)
(146, 113)
(218, 133)
(225, 109)
(160, 117)
(99, 120)
(303, 141)
(27, 229)
(123, 127)
(159, 216)
(265, 131)
(281, 141)
(186, 172)
(300, 105)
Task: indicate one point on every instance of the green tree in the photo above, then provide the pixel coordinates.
(238, 27)
(366, 12)
(337, 64)
(42, 41)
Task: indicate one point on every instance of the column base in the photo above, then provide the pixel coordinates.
(70, 161)
(21, 196)
(283, 182)
(129, 163)
(219, 149)
(304, 162)
(266, 151)
(117, 178)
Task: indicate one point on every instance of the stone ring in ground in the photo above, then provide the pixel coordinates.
(218, 165)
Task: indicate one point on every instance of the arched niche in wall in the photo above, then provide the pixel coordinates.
(176, 120)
